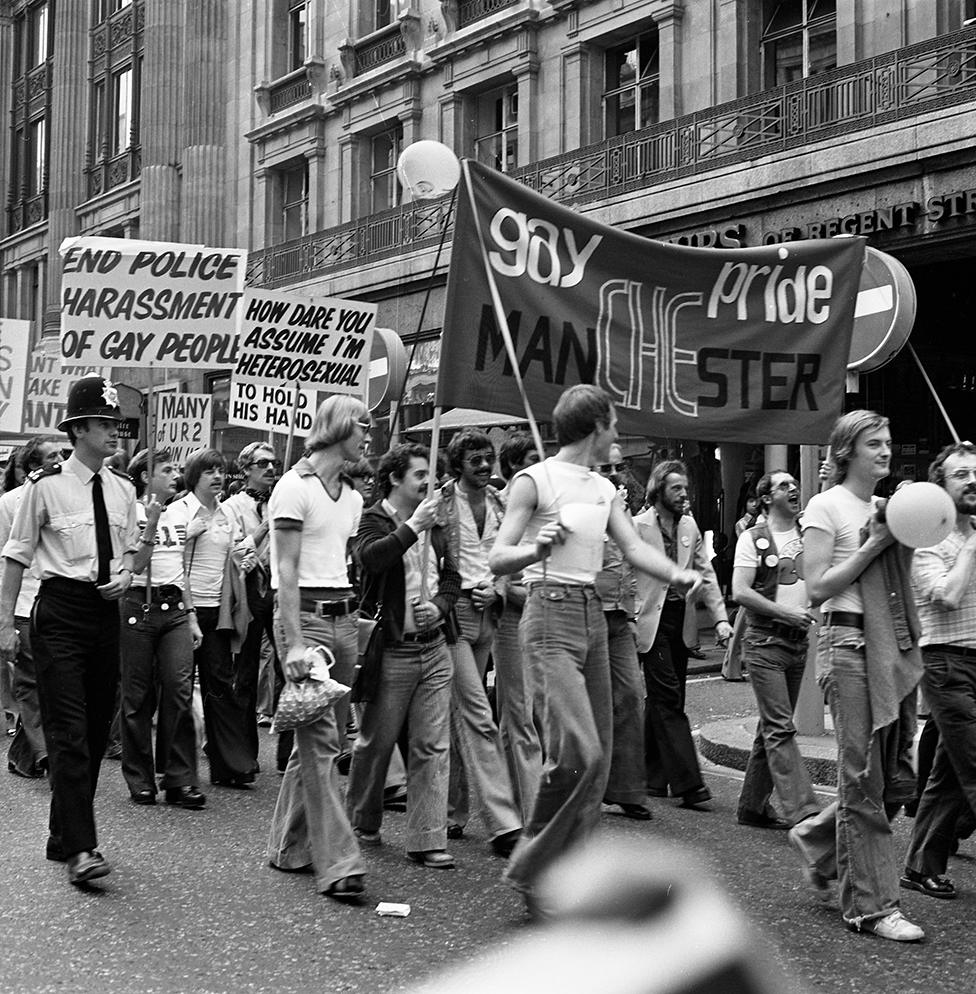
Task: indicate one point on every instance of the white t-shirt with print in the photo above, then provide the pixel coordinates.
(791, 591)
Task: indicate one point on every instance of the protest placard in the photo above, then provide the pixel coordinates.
(182, 423)
(14, 343)
(267, 408)
(47, 386)
(314, 343)
(131, 303)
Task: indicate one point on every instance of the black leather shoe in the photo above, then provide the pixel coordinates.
(763, 821)
(242, 782)
(85, 866)
(636, 811)
(693, 798)
(146, 796)
(185, 797)
(502, 845)
(349, 889)
(935, 885)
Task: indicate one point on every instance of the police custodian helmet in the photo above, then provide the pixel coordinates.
(92, 397)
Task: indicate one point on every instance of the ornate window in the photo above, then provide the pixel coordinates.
(297, 33)
(32, 67)
(799, 39)
(384, 187)
(115, 73)
(293, 187)
(632, 83)
(496, 142)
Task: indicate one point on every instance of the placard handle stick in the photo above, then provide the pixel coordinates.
(435, 441)
(151, 449)
(935, 396)
(395, 416)
(291, 427)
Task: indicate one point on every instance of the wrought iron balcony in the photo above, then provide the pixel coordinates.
(290, 91)
(379, 48)
(470, 11)
(922, 78)
(378, 236)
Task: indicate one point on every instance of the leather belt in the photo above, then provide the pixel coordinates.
(846, 618)
(789, 632)
(965, 651)
(168, 593)
(413, 638)
(329, 609)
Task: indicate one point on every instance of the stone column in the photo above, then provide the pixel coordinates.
(159, 203)
(349, 177)
(68, 131)
(202, 204)
(730, 46)
(526, 72)
(668, 21)
(581, 98)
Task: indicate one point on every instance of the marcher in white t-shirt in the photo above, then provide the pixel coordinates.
(851, 839)
(314, 510)
(767, 582)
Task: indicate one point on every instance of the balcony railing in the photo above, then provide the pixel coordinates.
(378, 51)
(375, 237)
(289, 92)
(26, 212)
(926, 77)
(470, 11)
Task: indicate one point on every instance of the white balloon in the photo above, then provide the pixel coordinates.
(428, 169)
(920, 515)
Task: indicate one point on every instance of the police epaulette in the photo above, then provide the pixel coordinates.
(43, 471)
(121, 474)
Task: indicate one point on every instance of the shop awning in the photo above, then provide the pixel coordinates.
(466, 417)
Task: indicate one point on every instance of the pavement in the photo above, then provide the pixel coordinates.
(728, 741)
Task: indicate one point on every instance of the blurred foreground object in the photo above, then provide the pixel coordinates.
(628, 919)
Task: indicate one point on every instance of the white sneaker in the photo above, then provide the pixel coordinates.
(894, 926)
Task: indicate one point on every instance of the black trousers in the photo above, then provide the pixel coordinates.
(229, 747)
(668, 746)
(75, 637)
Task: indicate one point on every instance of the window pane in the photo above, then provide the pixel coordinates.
(39, 25)
(98, 120)
(823, 49)
(297, 34)
(382, 13)
(294, 202)
(784, 14)
(35, 157)
(384, 185)
(649, 103)
(122, 101)
(621, 66)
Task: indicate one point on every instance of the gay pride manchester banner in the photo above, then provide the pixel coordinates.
(728, 345)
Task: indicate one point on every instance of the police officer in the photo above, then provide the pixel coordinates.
(77, 523)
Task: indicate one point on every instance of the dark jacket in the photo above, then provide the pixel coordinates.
(379, 547)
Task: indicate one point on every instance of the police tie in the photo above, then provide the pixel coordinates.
(103, 540)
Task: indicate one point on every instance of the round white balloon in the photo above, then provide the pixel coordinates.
(920, 515)
(428, 169)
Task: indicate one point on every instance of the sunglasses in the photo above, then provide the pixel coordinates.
(479, 461)
(366, 426)
(265, 463)
(612, 467)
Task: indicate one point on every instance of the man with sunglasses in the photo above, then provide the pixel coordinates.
(247, 511)
(944, 581)
(767, 582)
(473, 510)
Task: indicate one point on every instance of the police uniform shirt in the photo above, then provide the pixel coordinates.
(55, 523)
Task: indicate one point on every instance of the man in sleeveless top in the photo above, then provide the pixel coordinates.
(558, 514)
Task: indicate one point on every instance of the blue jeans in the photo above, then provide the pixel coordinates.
(477, 760)
(851, 838)
(157, 671)
(627, 783)
(564, 645)
(415, 687)
(949, 683)
(309, 825)
(516, 713)
(776, 666)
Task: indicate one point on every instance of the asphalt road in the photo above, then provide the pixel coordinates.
(193, 907)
